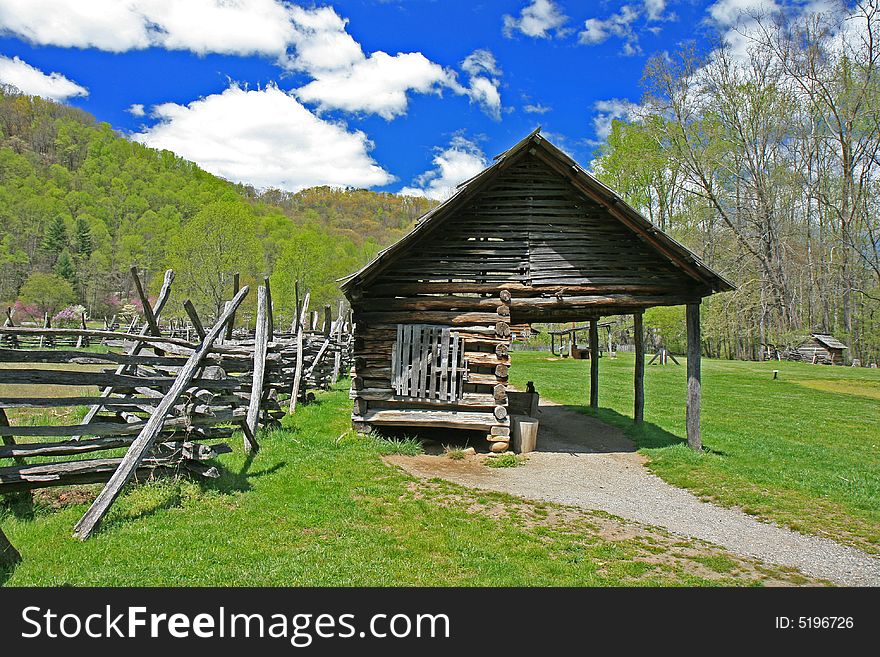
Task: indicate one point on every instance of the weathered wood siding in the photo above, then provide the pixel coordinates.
(528, 247)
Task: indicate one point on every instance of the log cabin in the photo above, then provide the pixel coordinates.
(532, 238)
(821, 348)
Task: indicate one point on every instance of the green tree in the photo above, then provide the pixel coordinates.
(83, 238)
(65, 268)
(48, 292)
(55, 238)
(218, 242)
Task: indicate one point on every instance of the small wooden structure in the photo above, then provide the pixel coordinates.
(821, 348)
(533, 238)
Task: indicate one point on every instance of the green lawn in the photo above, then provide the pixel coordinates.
(318, 506)
(802, 450)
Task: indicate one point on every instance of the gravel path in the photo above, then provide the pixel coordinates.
(584, 462)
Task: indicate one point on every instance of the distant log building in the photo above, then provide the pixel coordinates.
(533, 238)
(819, 348)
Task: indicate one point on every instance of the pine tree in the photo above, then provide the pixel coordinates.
(65, 268)
(55, 239)
(83, 238)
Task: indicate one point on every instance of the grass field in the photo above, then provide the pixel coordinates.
(318, 506)
(802, 450)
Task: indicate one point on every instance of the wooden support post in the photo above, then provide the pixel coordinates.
(337, 357)
(693, 371)
(194, 318)
(82, 340)
(8, 440)
(296, 313)
(141, 445)
(270, 314)
(297, 376)
(328, 321)
(261, 345)
(236, 279)
(594, 363)
(152, 322)
(639, 376)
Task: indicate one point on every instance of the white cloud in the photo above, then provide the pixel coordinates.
(136, 110)
(484, 72)
(313, 41)
(345, 78)
(727, 13)
(222, 26)
(481, 62)
(537, 20)
(623, 25)
(619, 24)
(32, 81)
(606, 111)
(459, 161)
(265, 138)
(536, 109)
(378, 84)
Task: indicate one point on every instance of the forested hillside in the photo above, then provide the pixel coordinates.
(765, 159)
(80, 204)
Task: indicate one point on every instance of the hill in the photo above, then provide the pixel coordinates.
(80, 204)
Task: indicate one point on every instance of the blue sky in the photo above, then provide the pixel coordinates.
(410, 95)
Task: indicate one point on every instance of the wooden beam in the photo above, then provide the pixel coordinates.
(639, 375)
(194, 318)
(594, 363)
(270, 313)
(261, 345)
(297, 377)
(152, 321)
(236, 279)
(138, 450)
(693, 371)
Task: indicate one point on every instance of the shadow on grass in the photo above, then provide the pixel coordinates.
(9, 558)
(648, 435)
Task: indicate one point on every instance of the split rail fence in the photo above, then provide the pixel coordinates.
(164, 403)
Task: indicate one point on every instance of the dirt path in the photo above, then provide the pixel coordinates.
(585, 463)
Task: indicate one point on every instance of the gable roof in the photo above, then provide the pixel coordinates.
(829, 341)
(536, 145)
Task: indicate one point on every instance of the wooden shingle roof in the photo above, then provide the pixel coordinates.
(684, 259)
(829, 341)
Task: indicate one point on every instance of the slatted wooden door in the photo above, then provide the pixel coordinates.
(428, 362)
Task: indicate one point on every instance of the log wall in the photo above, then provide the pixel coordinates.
(529, 247)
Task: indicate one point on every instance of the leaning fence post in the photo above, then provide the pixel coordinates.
(297, 377)
(261, 345)
(141, 445)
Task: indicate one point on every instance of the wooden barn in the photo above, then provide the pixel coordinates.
(820, 348)
(533, 238)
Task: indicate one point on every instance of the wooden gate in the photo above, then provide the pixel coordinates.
(428, 362)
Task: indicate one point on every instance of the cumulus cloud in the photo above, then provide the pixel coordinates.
(626, 25)
(313, 41)
(606, 111)
(727, 13)
(541, 19)
(346, 78)
(136, 109)
(461, 160)
(482, 89)
(32, 81)
(222, 26)
(265, 138)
